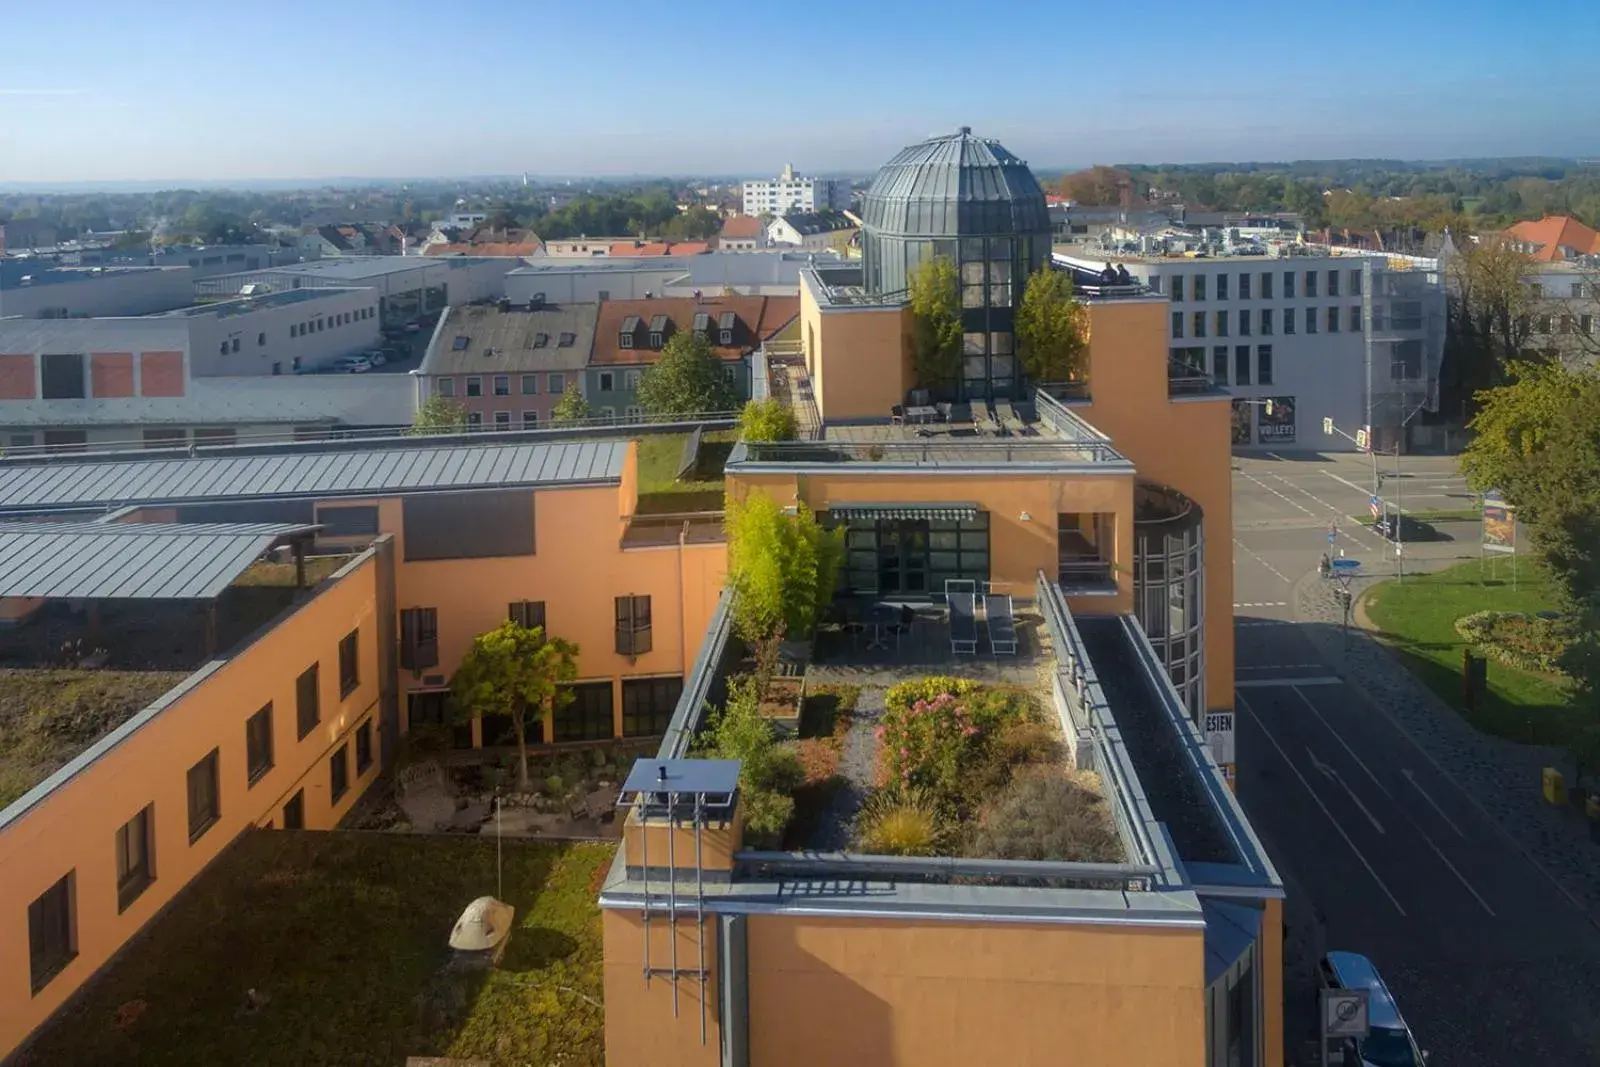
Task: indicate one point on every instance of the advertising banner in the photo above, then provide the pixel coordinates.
(1499, 523)
(1276, 427)
(1241, 422)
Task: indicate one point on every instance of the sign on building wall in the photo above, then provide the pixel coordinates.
(1499, 523)
(1219, 736)
(1275, 422)
(1241, 422)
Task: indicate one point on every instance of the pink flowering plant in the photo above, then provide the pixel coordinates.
(926, 744)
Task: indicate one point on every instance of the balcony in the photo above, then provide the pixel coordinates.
(682, 528)
(1085, 543)
(1184, 379)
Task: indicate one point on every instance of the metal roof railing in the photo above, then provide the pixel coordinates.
(970, 454)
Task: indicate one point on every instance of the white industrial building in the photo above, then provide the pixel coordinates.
(790, 193)
(767, 273)
(407, 287)
(32, 289)
(222, 370)
(1357, 338)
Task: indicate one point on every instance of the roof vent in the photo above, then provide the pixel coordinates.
(965, 129)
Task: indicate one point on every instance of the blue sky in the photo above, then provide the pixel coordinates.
(207, 91)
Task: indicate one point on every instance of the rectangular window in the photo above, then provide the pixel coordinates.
(1263, 364)
(608, 381)
(1333, 283)
(1177, 288)
(445, 386)
(1288, 320)
(1177, 325)
(633, 625)
(348, 520)
(1577, 290)
(307, 701)
(1355, 318)
(529, 613)
(349, 662)
(258, 744)
(474, 421)
(1199, 281)
(1244, 322)
(587, 716)
(530, 420)
(363, 747)
(1288, 285)
(1586, 324)
(530, 385)
(1244, 287)
(502, 420)
(135, 860)
(1241, 365)
(1222, 287)
(61, 377)
(205, 801)
(52, 931)
(1333, 318)
(1222, 321)
(630, 379)
(625, 340)
(474, 386)
(502, 385)
(1266, 322)
(1355, 282)
(1311, 320)
(648, 704)
(1266, 285)
(1311, 284)
(557, 385)
(339, 773)
(165, 438)
(1199, 323)
(419, 638)
(1219, 364)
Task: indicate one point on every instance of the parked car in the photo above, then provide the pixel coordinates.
(377, 356)
(1388, 1042)
(352, 365)
(413, 327)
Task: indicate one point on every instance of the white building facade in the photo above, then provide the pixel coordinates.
(1358, 339)
(40, 291)
(790, 193)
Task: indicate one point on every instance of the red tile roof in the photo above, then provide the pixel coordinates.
(759, 317)
(659, 248)
(1555, 233)
(745, 227)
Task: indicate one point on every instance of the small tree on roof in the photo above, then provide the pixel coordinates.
(767, 420)
(515, 671)
(439, 414)
(572, 407)
(1052, 328)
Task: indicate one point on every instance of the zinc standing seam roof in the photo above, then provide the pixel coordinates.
(46, 486)
(130, 561)
(952, 185)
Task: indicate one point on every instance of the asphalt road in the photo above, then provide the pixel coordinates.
(1490, 961)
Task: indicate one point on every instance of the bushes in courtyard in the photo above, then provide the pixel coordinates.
(901, 822)
(1049, 814)
(1526, 642)
(769, 772)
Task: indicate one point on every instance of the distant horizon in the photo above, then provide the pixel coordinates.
(312, 184)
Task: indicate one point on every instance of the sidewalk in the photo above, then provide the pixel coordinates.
(1502, 777)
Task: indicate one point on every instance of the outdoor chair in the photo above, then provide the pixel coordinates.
(1001, 623)
(944, 410)
(963, 600)
(897, 415)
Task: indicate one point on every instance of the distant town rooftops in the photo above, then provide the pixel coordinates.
(485, 340)
(649, 324)
(1555, 238)
(742, 227)
(811, 223)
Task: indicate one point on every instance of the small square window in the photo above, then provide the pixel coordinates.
(502, 385)
(502, 420)
(529, 613)
(474, 386)
(557, 384)
(446, 387)
(530, 385)
(530, 420)
(474, 420)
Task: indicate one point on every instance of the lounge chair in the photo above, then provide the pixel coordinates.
(981, 420)
(1001, 623)
(897, 415)
(1007, 417)
(963, 601)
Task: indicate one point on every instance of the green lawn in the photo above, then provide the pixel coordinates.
(659, 456)
(1418, 617)
(344, 936)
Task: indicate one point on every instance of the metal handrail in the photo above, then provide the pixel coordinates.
(898, 868)
(976, 453)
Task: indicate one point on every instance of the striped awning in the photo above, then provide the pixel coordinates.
(868, 512)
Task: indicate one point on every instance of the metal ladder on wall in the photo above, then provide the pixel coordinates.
(671, 904)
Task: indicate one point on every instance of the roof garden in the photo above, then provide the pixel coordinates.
(1046, 768)
(70, 675)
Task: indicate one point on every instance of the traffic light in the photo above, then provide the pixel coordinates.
(1327, 426)
(1269, 407)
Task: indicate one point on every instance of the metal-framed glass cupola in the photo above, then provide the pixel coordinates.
(969, 200)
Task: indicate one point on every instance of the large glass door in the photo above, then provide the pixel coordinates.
(903, 556)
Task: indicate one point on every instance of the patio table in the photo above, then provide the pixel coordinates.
(881, 617)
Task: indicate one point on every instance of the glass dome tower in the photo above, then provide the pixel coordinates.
(969, 200)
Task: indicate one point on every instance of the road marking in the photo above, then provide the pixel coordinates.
(1263, 683)
(1264, 622)
(1459, 876)
(1263, 604)
(1318, 802)
(1280, 496)
(1264, 563)
(1363, 490)
(1280, 667)
(1342, 743)
(1333, 776)
(1434, 803)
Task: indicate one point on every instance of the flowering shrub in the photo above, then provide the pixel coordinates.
(925, 745)
(1526, 642)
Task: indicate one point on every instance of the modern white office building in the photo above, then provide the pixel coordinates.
(1356, 338)
(790, 193)
(406, 286)
(32, 289)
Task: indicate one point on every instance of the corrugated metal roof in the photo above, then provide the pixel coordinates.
(129, 561)
(28, 487)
